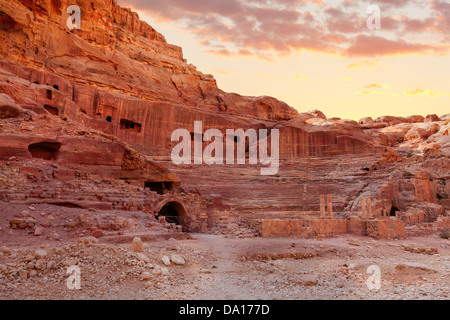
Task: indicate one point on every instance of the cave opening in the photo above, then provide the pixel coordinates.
(159, 187)
(66, 204)
(6, 22)
(174, 212)
(45, 150)
(52, 110)
(394, 211)
(130, 125)
(442, 196)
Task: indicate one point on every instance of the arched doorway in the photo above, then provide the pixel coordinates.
(174, 212)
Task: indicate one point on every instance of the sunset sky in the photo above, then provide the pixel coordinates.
(317, 54)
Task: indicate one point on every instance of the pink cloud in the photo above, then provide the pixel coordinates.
(267, 27)
(378, 46)
(221, 52)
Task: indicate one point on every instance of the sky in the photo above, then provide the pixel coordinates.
(342, 57)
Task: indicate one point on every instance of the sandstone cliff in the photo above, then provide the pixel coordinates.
(116, 51)
(98, 105)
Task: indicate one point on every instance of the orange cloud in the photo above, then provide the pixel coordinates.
(378, 46)
(300, 77)
(221, 52)
(369, 93)
(364, 65)
(376, 92)
(269, 27)
(377, 86)
(427, 93)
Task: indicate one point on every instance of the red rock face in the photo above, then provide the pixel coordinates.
(151, 123)
(101, 102)
(114, 49)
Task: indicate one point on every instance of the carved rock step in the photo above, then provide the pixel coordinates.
(146, 237)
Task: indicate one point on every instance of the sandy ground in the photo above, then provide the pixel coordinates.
(228, 269)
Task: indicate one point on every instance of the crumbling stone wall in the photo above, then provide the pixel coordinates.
(386, 229)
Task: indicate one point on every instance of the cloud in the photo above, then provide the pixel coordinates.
(244, 52)
(378, 46)
(223, 52)
(376, 92)
(419, 25)
(377, 86)
(300, 77)
(427, 93)
(385, 4)
(364, 65)
(371, 92)
(220, 52)
(272, 27)
(442, 13)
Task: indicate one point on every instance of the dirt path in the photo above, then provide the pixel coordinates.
(230, 269)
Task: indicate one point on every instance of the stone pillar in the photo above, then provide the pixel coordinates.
(330, 206)
(203, 222)
(364, 212)
(322, 206)
(369, 205)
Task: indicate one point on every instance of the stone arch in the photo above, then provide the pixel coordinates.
(174, 211)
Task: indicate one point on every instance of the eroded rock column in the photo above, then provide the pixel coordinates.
(364, 212)
(330, 206)
(369, 206)
(323, 214)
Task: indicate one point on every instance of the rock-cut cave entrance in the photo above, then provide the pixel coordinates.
(159, 187)
(45, 150)
(174, 212)
(394, 211)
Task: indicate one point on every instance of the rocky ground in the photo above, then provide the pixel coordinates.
(85, 149)
(217, 267)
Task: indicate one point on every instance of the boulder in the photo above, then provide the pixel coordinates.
(137, 245)
(318, 114)
(178, 260)
(422, 132)
(143, 257)
(432, 118)
(415, 119)
(38, 231)
(390, 120)
(40, 254)
(8, 107)
(166, 261)
(366, 120)
(145, 276)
